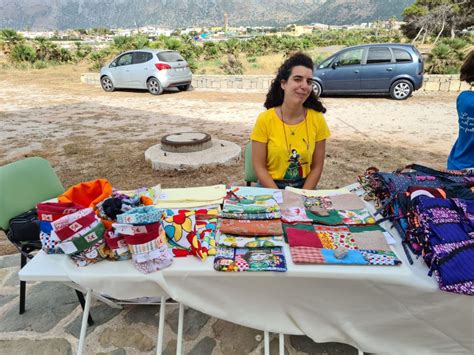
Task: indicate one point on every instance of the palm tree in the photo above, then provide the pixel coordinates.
(22, 53)
(9, 38)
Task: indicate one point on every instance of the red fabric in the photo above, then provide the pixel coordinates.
(302, 238)
(76, 226)
(51, 211)
(114, 242)
(153, 231)
(306, 255)
(88, 194)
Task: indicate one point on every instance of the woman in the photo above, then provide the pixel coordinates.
(462, 153)
(289, 139)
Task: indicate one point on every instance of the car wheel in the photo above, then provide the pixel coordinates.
(154, 86)
(401, 90)
(317, 89)
(107, 84)
(184, 87)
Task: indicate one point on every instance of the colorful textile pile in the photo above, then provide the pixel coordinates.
(323, 244)
(433, 212)
(250, 232)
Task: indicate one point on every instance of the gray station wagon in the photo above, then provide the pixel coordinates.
(151, 69)
(395, 69)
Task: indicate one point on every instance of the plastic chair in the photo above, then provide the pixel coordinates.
(249, 171)
(23, 184)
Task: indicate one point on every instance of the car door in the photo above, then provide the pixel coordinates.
(344, 73)
(120, 70)
(139, 69)
(378, 70)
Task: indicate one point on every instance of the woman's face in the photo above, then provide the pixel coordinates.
(299, 85)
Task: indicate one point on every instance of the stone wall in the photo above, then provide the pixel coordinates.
(262, 82)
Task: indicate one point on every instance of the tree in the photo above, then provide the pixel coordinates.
(22, 52)
(9, 38)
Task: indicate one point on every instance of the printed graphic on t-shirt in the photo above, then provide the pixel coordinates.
(295, 166)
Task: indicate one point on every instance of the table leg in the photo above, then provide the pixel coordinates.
(85, 317)
(266, 343)
(179, 341)
(161, 326)
(281, 343)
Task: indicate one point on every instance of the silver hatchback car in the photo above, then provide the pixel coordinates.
(152, 69)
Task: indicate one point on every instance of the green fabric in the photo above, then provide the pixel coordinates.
(249, 172)
(25, 183)
(365, 228)
(332, 219)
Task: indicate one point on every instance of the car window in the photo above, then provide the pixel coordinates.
(126, 59)
(378, 55)
(401, 55)
(141, 57)
(325, 64)
(169, 57)
(351, 57)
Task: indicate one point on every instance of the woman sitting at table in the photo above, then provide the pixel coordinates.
(289, 138)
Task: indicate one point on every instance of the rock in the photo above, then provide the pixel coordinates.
(126, 338)
(24, 346)
(235, 339)
(194, 321)
(205, 346)
(100, 314)
(46, 304)
(170, 348)
(115, 352)
(147, 314)
(308, 346)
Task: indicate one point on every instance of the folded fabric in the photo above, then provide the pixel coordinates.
(353, 257)
(87, 194)
(332, 218)
(152, 255)
(91, 235)
(140, 215)
(247, 259)
(309, 255)
(359, 228)
(253, 216)
(50, 243)
(51, 211)
(291, 199)
(303, 238)
(360, 216)
(374, 240)
(249, 242)
(380, 257)
(88, 256)
(347, 202)
(252, 228)
(301, 226)
(249, 204)
(130, 229)
(71, 225)
(66, 220)
(191, 196)
(117, 247)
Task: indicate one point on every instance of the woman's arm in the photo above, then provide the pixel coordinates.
(316, 166)
(259, 162)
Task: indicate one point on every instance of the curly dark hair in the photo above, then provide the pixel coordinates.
(467, 69)
(275, 93)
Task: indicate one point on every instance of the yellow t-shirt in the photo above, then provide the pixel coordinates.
(290, 148)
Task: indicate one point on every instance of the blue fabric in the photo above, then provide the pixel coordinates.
(46, 227)
(462, 153)
(353, 257)
(458, 266)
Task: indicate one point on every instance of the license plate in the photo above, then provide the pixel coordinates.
(179, 69)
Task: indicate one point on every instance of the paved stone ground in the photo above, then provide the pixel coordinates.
(52, 321)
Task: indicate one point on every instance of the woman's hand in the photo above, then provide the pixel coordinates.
(317, 164)
(259, 162)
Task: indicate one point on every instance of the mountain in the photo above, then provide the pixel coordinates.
(64, 14)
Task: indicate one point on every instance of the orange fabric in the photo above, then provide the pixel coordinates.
(88, 194)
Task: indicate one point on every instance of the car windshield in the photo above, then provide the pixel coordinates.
(169, 57)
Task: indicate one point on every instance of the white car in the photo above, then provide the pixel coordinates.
(151, 69)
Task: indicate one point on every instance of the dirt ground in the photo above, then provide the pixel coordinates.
(87, 133)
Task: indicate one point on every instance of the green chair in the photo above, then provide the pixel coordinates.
(23, 184)
(249, 171)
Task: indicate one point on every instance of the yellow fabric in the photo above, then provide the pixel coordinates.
(191, 196)
(271, 130)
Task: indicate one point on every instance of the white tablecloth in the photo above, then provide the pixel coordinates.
(376, 309)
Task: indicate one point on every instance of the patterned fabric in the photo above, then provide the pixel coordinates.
(153, 255)
(252, 228)
(318, 205)
(254, 216)
(294, 214)
(361, 216)
(332, 218)
(50, 243)
(333, 237)
(84, 239)
(249, 204)
(88, 256)
(249, 242)
(353, 257)
(306, 255)
(246, 259)
(380, 257)
(140, 215)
